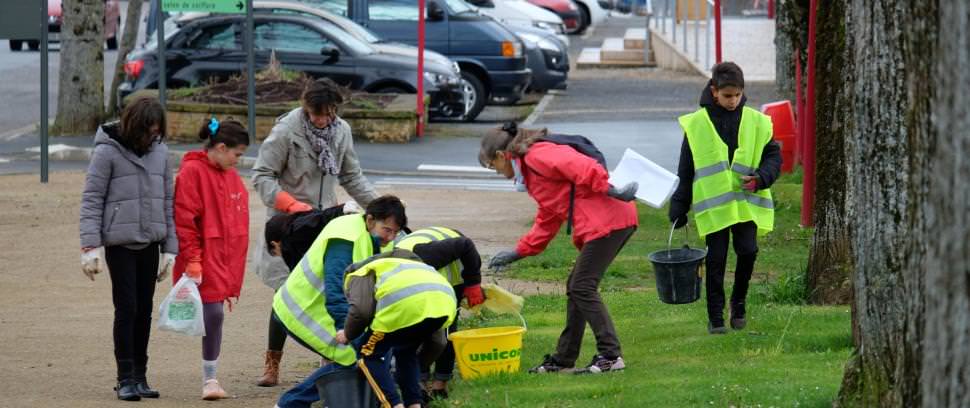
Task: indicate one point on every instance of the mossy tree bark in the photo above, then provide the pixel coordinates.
(946, 359)
(80, 98)
(128, 39)
(892, 44)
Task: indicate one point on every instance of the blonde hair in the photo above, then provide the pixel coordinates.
(509, 138)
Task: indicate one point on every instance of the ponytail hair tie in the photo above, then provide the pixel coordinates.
(511, 128)
(213, 126)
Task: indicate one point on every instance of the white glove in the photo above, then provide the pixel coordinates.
(351, 207)
(165, 266)
(92, 262)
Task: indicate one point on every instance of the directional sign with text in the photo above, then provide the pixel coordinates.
(210, 6)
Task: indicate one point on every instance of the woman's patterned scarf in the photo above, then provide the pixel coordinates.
(320, 141)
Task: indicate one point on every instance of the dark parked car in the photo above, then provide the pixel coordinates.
(211, 48)
(492, 61)
(548, 58)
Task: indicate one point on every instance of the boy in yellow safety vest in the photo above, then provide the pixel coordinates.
(398, 303)
(728, 161)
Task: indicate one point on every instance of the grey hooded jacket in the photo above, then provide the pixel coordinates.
(127, 200)
(287, 162)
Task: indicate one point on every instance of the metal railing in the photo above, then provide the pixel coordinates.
(667, 15)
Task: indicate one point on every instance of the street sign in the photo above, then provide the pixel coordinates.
(20, 20)
(209, 6)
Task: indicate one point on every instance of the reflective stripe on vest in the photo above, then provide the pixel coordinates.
(300, 304)
(452, 271)
(718, 199)
(407, 292)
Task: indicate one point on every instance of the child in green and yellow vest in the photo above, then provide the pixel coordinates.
(728, 161)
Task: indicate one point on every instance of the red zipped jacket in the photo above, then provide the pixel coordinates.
(549, 170)
(212, 223)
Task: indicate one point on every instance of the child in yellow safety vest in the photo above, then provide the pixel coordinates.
(728, 161)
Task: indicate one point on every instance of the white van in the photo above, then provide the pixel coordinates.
(522, 13)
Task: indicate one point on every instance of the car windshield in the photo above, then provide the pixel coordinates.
(346, 24)
(459, 6)
(171, 28)
(334, 6)
(341, 36)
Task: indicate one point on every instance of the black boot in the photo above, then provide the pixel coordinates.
(141, 383)
(126, 381)
(742, 276)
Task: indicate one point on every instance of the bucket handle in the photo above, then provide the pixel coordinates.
(670, 239)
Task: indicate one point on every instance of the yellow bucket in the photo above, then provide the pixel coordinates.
(481, 352)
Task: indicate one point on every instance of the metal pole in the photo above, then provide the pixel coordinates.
(697, 32)
(707, 36)
(421, 13)
(673, 28)
(717, 31)
(251, 70)
(160, 32)
(808, 156)
(683, 22)
(44, 140)
(663, 26)
(646, 37)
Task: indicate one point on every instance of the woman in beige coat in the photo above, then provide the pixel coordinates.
(309, 151)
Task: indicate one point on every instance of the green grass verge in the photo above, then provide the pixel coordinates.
(782, 252)
(789, 355)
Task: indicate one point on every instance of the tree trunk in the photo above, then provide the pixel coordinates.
(80, 97)
(830, 260)
(946, 362)
(892, 43)
(791, 22)
(128, 39)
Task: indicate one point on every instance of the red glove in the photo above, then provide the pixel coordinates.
(749, 183)
(194, 270)
(286, 203)
(474, 295)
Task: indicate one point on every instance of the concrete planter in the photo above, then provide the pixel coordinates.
(394, 123)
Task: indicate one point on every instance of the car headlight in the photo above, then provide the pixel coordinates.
(538, 41)
(543, 25)
(457, 68)
(441, 79)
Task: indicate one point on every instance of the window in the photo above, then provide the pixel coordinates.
(406, 10)
(290, 37)
(222, 36)
(333, 6)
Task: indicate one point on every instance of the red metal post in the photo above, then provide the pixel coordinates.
(799, 108)
(717, 31)
(808, 185)
(421, 12)
(771, 8)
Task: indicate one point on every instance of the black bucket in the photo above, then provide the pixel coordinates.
(677, 273)
(346, 388)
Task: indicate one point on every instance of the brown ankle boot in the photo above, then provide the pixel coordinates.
(271, 371)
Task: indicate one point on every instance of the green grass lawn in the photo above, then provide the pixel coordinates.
(789, 355)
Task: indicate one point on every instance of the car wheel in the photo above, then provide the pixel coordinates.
(15, 45)
(391, 90)
(34, 45)
(113, 43)
(584, 19)
(472, 86)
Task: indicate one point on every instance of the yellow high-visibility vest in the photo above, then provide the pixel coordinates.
(452, 271)
(718, 199)
(407, 292)
(301, 302)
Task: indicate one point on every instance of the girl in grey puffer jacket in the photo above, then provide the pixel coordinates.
(126, 209)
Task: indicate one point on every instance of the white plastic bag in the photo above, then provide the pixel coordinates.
(181, 311)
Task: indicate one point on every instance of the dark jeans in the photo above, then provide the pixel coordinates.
(584, 305)
(403, 344)
(444, 365)
(746, 247)
(133, 274)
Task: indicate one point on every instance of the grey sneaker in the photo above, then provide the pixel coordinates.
(720, 329)
(737, 316)
(602, 364)
(549, 365)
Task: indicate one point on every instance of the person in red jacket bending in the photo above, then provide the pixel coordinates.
(566, 183)
(212, 223)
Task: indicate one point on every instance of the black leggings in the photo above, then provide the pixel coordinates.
(133, 274)
(277, 333)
